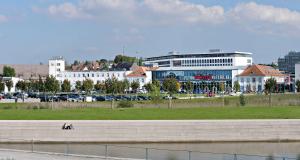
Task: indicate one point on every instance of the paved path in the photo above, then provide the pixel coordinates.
(150, 130)
(24, 155)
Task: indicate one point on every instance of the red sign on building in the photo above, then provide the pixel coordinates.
(200, 77)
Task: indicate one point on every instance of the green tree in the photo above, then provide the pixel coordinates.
(51, 84)
(22, 86)
(149, 87)
(100, 87)
(242, 100)
(87, 85)
(155, 94)
(121, 59)
(41, 84)
(2, 87)
(78, 86)
(270, 85)
(189, 86)
(111, 85)
(134, 86)
(298, 85)
(270, 88)
(222, 87)
(171, 85)
(140, 61)
(9, 71)
(236, 86)
(156, 83)
(9, 84)
(126, 84)
(66, 86)
(33, 85)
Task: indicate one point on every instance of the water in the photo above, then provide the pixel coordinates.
(172, 151)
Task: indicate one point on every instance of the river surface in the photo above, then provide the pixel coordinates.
(173, 151)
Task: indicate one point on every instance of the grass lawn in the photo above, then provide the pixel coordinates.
(152, 113)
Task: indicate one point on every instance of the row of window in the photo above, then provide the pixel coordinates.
(253, 79)
(57, 64)
(141, 80)
(199, 61)
(92, 75)
(204, 62)
(190, 75)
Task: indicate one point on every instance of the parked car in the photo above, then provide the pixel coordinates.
(75, 98)
(100, 98)
(63, 97)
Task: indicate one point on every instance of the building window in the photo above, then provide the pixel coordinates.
(58, 64)
(93, 75)
(253, 80)
(259, 79)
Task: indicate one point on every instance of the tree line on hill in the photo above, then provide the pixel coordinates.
(104, 64)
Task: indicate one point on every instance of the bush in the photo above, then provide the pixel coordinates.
(226, 101)
(125, 104)
(7, 107)
(242, 100)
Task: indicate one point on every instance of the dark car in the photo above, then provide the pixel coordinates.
(100, 98)
(109, 98)
(33, 95)
(63, 97)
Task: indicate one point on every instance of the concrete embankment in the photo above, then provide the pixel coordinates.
(150, 131)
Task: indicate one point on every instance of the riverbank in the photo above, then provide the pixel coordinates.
(151, 131)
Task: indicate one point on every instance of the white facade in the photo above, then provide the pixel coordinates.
(56, 66)
(235, 62)
(141, 79)
(15, 80)
(57, 69)
(256, 83)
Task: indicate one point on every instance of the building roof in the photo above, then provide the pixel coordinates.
(261, 70)
(174, 55)
(140, 71)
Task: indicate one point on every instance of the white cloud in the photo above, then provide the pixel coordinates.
(185, 12)
(67, 10)
(249, 16)
(109, 4)
(265, 18)
(141, 11)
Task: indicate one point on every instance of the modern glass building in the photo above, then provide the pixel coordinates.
(205, 70)
(287, 63)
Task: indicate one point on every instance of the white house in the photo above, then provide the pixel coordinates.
(253, 78)
(140, 74)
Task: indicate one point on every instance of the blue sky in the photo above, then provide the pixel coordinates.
(33, 31)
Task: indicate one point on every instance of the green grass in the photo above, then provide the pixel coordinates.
(152, 113)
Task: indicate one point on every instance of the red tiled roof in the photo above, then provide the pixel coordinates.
(140, 71)
(261, 70)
